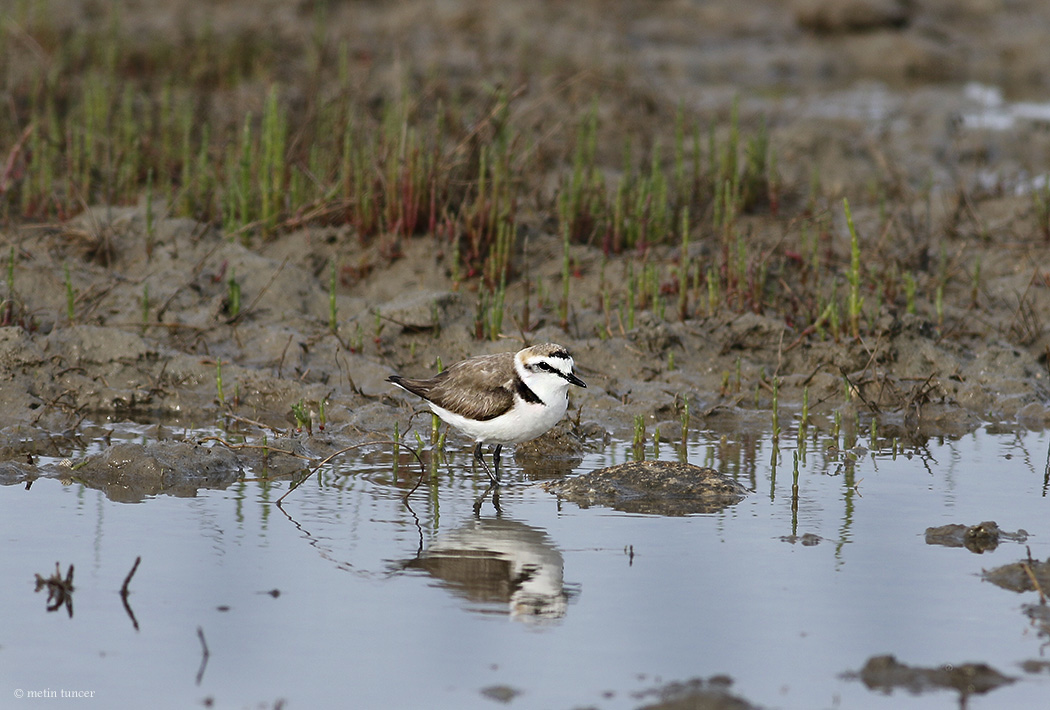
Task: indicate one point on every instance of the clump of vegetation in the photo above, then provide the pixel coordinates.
(98, 119)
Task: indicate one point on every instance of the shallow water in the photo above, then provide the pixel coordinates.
(346, 597)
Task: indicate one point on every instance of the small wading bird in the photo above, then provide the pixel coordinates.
(500, 399)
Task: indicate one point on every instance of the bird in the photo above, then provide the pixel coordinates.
(504, 398)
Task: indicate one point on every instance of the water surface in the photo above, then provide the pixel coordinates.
(346, 597)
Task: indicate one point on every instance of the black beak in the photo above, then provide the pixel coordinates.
(574, 380)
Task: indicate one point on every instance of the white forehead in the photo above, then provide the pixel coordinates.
(557, 358)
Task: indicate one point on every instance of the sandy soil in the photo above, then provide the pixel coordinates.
(924, 114)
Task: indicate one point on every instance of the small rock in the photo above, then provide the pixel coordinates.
(979, 538)
(500, 693)
(1032, 666)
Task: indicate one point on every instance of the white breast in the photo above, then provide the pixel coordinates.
(522, 422)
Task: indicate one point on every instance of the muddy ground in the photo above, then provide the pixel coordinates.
(925, 114)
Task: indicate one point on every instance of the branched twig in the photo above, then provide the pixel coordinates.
(919, 395)
(326, 459)
(124, 593)
(315, 463)
(872, 407)
(267, 449)
(59, 590)
(252, 422)
(127, 580)
(205, 654)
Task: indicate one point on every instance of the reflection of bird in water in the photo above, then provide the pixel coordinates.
(499, 561)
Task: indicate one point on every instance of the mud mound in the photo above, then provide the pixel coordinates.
(132, 472)
(1025, 576)
(886, 673)
(655, 487)
(979, 538)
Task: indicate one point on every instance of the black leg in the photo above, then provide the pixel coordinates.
(479, 454)
(495, 460)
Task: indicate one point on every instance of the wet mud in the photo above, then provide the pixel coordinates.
(872, 97)
(656, 487)
(695, 694)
